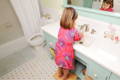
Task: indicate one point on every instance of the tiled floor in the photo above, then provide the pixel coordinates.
(41, 67)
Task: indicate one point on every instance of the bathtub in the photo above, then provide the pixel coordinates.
(12, 46)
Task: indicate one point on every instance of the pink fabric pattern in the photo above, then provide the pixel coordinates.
(64, 48)
(109, 9)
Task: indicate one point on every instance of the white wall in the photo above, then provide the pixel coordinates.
(117, 6)
(53, 4)
(10, 28)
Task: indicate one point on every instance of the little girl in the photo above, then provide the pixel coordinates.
(107, 6)
(64, 57)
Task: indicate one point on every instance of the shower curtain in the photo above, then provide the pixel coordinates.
(28, 13)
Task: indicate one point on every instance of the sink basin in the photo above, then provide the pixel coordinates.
(108, 46)
(105, 55)
(103, 47)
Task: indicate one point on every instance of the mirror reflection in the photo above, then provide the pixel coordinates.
(103, 5)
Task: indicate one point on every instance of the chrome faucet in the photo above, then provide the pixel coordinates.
(85, 28)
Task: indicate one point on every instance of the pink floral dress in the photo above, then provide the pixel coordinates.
(64, 48)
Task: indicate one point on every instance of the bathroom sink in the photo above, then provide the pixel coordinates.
(103, 47)
(108, 47)
(102, 54)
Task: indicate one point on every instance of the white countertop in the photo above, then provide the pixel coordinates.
(106, 57)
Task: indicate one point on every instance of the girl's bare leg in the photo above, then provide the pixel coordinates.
(84, 71)
(60, 72)
(65, 74)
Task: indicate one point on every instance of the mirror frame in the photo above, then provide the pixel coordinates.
(113, 18)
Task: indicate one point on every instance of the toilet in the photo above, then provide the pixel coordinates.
(36, 39)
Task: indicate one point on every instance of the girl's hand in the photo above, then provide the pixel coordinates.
(81, 35)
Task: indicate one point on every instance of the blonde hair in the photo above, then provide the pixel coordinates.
(68, 18)
(108, 2)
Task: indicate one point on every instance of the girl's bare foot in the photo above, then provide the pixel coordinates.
(65, 74)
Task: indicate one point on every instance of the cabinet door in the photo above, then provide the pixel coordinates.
(114, 77)
(50, 39)
(97, 72)
(50, 44)
(81, 58)
(78, 70)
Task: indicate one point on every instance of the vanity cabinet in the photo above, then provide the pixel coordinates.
(49, 39)
(97, 72)
(50, 42)
(94, 69)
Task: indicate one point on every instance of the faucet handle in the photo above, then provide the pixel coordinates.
(93, 31)
(87, 28)
(84, 28)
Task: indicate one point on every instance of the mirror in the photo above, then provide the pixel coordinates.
(103, 5)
